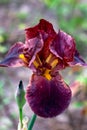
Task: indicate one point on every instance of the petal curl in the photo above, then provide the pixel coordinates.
(38, 39)
(34, 46)
(12, 58)
(78, 60)
(63, 46)
(48, 98)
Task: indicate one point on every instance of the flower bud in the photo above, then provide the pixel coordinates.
(20, 95)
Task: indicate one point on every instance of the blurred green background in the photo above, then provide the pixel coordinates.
(71, 17)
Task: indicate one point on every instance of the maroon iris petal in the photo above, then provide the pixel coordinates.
(34, 46)
(63, 46)
(38, 39)
(43, 27)
(78, 60)
(48, 98)
(12, 58)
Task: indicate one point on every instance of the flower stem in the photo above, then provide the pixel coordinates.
(20, 116)
(32, 121)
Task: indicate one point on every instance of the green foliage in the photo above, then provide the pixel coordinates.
(1, 89)
(3, 99)
(22, 15)
(78, 104)
(6, 101)
(81, 102)
(83, 8)
(82, 80)
(21, 26)
(3, 35)
(72, 18)
(5, 1)
(3, 49)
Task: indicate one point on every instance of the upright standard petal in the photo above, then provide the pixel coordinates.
(63, 46)
(38, 39)
(48, 98)
(12, 58)
(33, 46)
(43, 27)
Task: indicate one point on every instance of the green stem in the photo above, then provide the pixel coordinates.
(32, 121)
(20, 116)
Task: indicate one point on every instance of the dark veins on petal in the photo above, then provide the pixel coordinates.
(63, 46)
(48, 98)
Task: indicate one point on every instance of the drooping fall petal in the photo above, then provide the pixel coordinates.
(48, 98)
(77, 60)
(12, 58)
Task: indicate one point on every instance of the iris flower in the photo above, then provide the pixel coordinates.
(45, 52)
